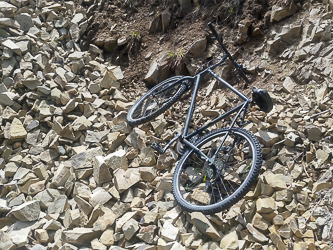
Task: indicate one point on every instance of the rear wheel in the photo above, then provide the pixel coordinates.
(210, 188)
(156, 101)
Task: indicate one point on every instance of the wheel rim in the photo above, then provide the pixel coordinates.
(205, 187)
(156, 100)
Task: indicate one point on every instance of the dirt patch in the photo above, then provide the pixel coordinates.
(131, 18)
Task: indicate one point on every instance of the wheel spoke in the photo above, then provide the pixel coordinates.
(209, 185)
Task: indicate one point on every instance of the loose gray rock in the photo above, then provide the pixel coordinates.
(28, 211)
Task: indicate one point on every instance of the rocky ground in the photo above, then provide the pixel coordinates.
(75, 175)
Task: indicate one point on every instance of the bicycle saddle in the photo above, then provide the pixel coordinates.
(262, 99)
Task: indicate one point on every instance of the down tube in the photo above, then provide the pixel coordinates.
(204, 127)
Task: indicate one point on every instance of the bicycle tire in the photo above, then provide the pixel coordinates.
(186, 195)
(135, 116)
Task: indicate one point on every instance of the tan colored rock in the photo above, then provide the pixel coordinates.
(204, 225)
(99, 197)
(105, 220)
(169, 232)
(279, 13)
(117, 160)
(80, 236)
(41, 235)
(267, 138)
(107, 237)
(95, 244)
(130, 228)
(17, 130)
(259, 222)
(256, 234)
(276, 181)
(230, 241)
(125, 179)
(265, 205)
(147, 157)
(101, 171)
(167, 159)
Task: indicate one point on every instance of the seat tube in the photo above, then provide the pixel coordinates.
(192, 105)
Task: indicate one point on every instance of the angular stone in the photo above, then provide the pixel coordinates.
(94, 137)
(230, 241)
(107, 237)
(100, 197)
(59, 205)
(147, 157)
(80, 236)
(81, 123)
(83, 205)
(20, 232)
(121, 221)
(28, 211)
(289, 85)
(314, 133)
(166, 160)
(49, 155)
(256, 234)
(7, 7)
(115, 139)
(147, 234)
(105, 220)
(41, 235)
(81, 190)
(204, 225)
(279, 13)
(25, 21)
(130, 228)
(101, 171)
(17, 130)
(265, 205)
(148, 174)
(136, 139)
(125, 179)
(169, 232)
(12, 46)
(85, 159)
(109, 81)
(117, 160)
(198, 47)
(267, 138)
(276, 181)
(259, 222)
(8, 22)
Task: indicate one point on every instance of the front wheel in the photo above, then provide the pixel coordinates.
(156, 101)
(199, 186)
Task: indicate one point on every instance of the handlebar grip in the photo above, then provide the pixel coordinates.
(211, 27)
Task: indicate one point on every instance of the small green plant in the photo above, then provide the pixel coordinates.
(187, 188)
(231, 9)
(198, 5)
(135, 34)
(309, 86)
(204, 179)
(283, 94)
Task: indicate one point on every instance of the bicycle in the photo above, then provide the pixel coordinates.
(218, 169)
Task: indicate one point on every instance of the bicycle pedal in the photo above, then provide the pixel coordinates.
(157, 147)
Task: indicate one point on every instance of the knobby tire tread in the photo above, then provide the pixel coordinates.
(234, 198)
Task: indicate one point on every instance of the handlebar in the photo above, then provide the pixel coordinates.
(219, 39)
(212, 29)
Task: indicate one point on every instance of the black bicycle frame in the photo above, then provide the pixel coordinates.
(241, 108)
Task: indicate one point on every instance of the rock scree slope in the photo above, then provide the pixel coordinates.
(75, 175)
